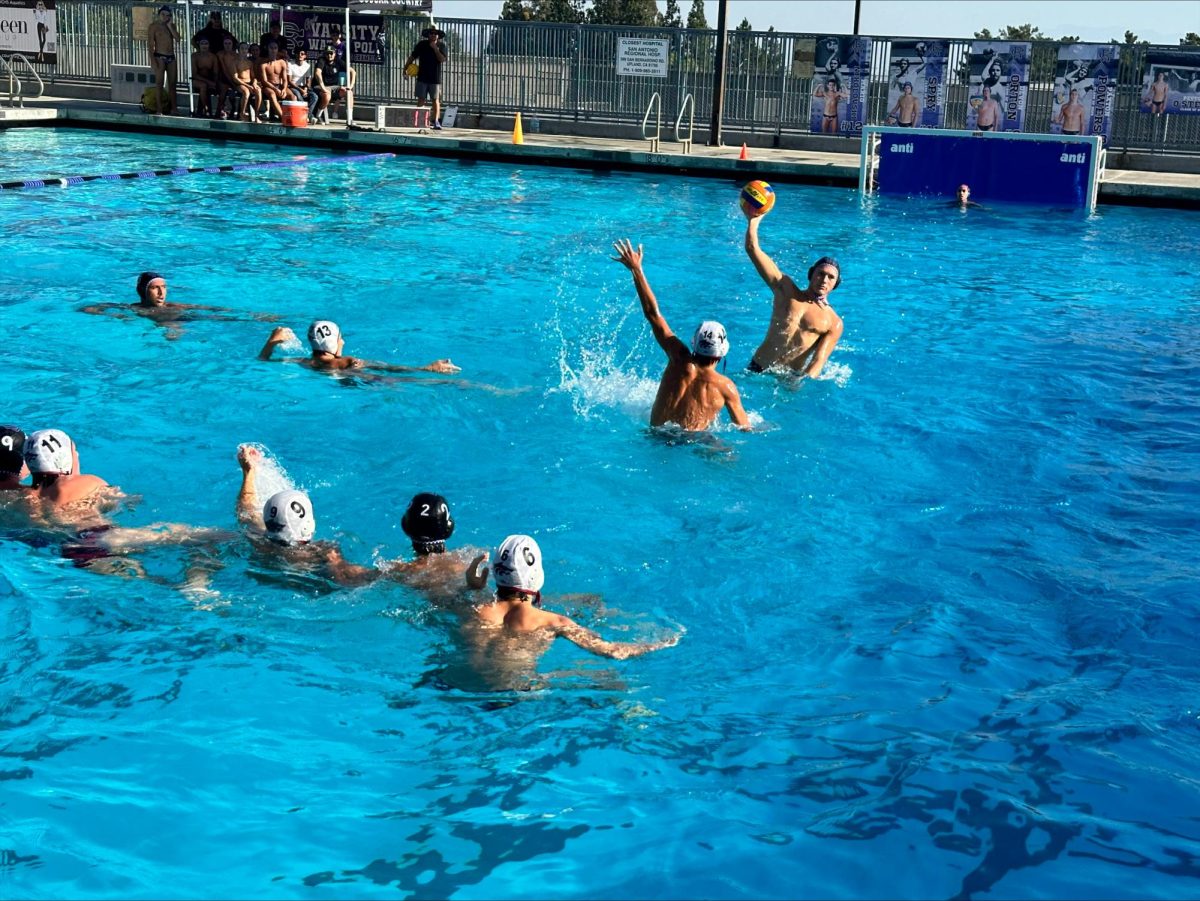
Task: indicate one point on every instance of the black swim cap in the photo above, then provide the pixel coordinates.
(12, 447)
(143, 280)
(427, 522)
(830, 261)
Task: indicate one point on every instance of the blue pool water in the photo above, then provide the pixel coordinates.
(941, 609)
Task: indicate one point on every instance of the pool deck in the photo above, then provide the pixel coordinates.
(1130, 186)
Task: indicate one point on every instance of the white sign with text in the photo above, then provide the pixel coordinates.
(642, 56)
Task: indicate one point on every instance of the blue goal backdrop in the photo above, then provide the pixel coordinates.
(1040, 169)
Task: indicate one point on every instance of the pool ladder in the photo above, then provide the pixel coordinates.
(655, 106)
(16, 88)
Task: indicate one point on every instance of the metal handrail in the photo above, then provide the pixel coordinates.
(655, 103)
(689, 102)
(16, 88)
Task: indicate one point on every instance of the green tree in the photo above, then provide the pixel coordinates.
(516, 11)
(569, 11)
(1191, 39)
(643, 13)
(672, 18)
(696, 17)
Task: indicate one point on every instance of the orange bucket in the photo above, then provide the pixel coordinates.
(295, 114)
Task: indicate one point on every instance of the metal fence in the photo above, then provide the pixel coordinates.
(569, 72)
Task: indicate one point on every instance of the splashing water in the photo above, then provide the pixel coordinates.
(269, 475)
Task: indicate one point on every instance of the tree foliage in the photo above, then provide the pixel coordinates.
(1191, 39)
(672, 17)
(696, 18)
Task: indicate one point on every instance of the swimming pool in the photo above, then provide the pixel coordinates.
(940, 610)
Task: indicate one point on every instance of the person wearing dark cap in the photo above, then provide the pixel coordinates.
(434, 572)
(12, 460)
(429, 54)
(153, 304)
(804, 329)
(160, 43)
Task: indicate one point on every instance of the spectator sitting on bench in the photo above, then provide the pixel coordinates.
(273, 73)
(299, 78)
(215, 33)
(206, 71)
(333, 83)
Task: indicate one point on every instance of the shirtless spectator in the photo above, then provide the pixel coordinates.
(206, 70)
(987, 117)
(832, 95)
(239, 69)
(691, 393)
(153, 305)
(906, 109)
(273, 73)
(227, 59)
(160, 44)
(804, 329)
(1157, 96)
(1071, 115)
(326, 341)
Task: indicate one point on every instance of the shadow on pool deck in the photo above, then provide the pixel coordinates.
(1130, 186)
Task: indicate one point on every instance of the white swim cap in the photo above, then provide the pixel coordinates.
(48, 451)
(324, 335)
(518, 564)
(710, 340)
(289, 518)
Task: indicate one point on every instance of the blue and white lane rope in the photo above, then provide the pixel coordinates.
(180, 170)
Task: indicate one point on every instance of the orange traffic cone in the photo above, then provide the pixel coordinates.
(743, 155)
(518, 134)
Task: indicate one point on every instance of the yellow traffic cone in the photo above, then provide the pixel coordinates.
(518, 134)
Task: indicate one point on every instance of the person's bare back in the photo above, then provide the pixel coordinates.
(691, 393)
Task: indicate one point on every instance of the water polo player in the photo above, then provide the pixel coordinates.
(691, 393)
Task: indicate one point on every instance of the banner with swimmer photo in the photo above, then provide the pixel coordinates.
(998, 85)
(29, 27)
(841, 70)
(1085, 89)
(917, 84)
(1171, 83)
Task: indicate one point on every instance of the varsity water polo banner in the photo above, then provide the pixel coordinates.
(1085, 89)
(315, 31)
(999, 84)
(841, 69)
(917, 84)
(1171, 83)
(29, 27)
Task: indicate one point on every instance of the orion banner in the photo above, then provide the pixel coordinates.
(841, 69)
(29, 27)
(999, 84)
(917, 84)
(1171, 83)
(1085, 89)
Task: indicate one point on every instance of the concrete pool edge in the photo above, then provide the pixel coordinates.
(1125, 187)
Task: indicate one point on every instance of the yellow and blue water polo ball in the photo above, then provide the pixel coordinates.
(757, 198)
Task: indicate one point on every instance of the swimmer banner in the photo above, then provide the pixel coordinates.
(841, 68)
(1085, 89)
(29, 27)
(917, 84)
(1171, 83)
(999, 84)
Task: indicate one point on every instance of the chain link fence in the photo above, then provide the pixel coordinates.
(569, 73)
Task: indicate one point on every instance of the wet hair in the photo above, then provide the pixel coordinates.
(827, 261)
